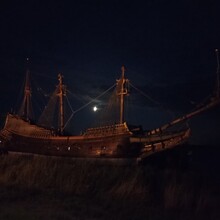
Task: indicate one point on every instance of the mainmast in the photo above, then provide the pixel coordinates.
(60, 94)
(121, 92)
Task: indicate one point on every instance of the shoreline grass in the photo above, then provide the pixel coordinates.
(33, 187)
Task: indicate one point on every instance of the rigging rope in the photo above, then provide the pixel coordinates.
(93, 100)
(109, 114)
(74, 96)
(71, 114)
(152, 100)
(144, 94)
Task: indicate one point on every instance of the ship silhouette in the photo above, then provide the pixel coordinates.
(116, 140)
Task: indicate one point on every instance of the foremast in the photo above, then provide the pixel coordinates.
(122, 91)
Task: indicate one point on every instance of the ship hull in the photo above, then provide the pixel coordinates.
(21, 136)
(67, 146)
(110, 142)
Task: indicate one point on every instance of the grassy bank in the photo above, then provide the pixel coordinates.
(57, 188)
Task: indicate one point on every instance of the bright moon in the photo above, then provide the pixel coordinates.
(95, 108)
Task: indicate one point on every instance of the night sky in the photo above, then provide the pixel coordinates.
(168, 48)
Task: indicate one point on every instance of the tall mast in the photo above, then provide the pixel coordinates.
(122, 91)
(61, 93)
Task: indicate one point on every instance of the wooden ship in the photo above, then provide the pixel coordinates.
(119, 140)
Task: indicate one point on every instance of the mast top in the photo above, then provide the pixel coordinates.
(123, 71)
(60, 78)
